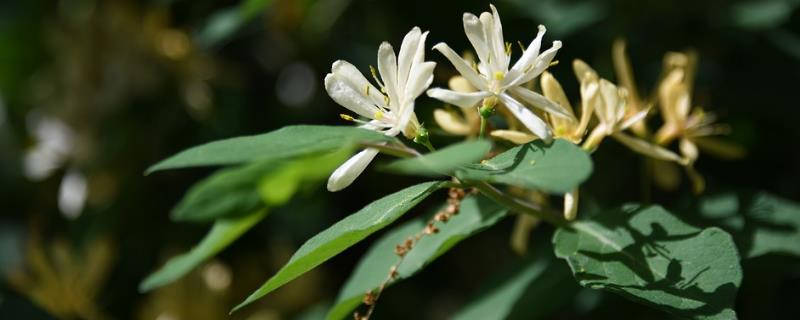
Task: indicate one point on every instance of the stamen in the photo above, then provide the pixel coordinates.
(375, 77)
(366, 89)
(378, 115)
(521, 46)
(553, 63)
(499, 75)
(346, 117)
(508, 49)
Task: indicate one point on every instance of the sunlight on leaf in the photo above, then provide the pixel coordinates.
(285, 143)
(558, 167)
(344, 234)
(444, 161)
(647, 255)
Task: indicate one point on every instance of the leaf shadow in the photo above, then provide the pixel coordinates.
(751, 214)
(674, 282)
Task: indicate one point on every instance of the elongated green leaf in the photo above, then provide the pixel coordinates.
(223, 24)
(532, 289)
(285, 143)
(344, 234)
(444, 161)
(558, 167)
(243, 189)
(647, 255)
(477, 213)
(221, 235)
(761, 223)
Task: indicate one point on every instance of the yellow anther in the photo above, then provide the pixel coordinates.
(378, 115)
(366, 88)
(346, 117)
(553, 63)
(499, 75)
(508, 48)
(386, 100)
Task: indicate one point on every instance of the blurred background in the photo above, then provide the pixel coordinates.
(93, 92)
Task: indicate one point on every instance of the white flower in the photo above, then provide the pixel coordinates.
(391, 109)
(493, 78)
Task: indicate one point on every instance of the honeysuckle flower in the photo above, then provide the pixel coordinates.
(692, 128)
(610, 107)
(464, 123)
(403, 77)
(492, 78)
(624, 73)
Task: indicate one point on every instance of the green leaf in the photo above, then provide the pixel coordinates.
(476, 214)
(221, 235)
(533, 288)
(647, 255)
(282, 144)
(761, 223)
(444, 161)
(226, 22)
(558, 168)
(236, 191)
(344, 234)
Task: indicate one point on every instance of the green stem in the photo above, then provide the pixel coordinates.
(428, 145)
(520, 206)
(483, 128)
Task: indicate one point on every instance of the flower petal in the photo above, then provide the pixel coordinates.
(540, 65)
(463, 68)
(571, 205)
(497, 42)
(405, 58)
(648, 149)
(451, 122)
(350, 74)
(387, 66)
(461, 99)
(350, 170)
(531, 53)
(634, 119)
(514, 136)
(528, 118)
(341, 92)
(539, 101)
(420, 78)
(474, 30)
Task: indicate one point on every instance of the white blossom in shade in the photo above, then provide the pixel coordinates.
(72, 194)
(492, 77)
(403, 77)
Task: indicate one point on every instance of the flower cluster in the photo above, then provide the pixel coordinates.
(493, 83)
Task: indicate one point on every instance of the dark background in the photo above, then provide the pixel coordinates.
(138, 81)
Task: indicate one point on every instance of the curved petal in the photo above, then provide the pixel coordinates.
(531, 53)
(514, 136)
(474, 30)
(387, 66)
(420, 79)
(451, 122)
(541, 64)
(463, 68)
(419, 56)
(350, 170)
(406, 113)
(461, 99)
(349, 73)
(541, 102)
(634, 119)
(405, 58)
(497, 41)
(341, 92)
(571, 205)
(528, 118)
(648, 149)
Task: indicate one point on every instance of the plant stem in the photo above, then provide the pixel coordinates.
(483, 127)
(520, 206)
(428, 145)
